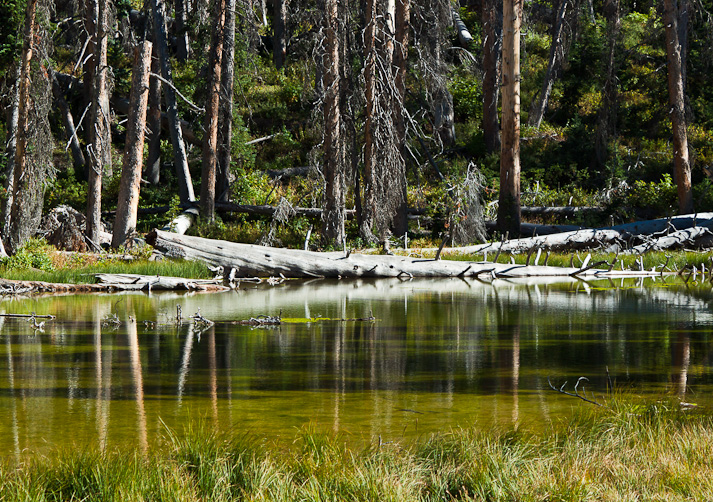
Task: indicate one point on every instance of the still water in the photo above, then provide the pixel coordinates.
(118, 370)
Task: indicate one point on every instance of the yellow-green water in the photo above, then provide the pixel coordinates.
(116, 370)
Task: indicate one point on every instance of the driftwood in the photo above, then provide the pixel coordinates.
(252, 260)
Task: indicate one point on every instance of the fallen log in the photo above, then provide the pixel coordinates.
(565, 211)
(618, 237)
(676, 239)
(135, 282)
(252, 260)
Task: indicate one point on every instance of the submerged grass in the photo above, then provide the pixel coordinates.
(630, 451)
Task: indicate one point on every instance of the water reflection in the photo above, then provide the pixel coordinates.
(110, 370)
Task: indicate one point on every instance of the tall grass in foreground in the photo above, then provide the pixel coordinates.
(632, 451)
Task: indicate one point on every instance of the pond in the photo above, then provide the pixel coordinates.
(118, 370)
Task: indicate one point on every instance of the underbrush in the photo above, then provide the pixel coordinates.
(631, 450)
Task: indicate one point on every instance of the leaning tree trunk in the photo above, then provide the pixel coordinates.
(80, 163)
(492, 21)
(225, 122)
(153, 123)
(681, 162)
(509, 202)
(128, 203)
(554, 63)
(99, 147)
(333, 222)
(16, 234)
(210, 140)
(279, 41)
(180, 159)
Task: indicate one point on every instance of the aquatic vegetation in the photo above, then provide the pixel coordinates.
(632, 449)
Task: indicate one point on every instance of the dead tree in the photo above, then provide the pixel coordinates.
(34, 145)
(677, 101)
(180, 160)
(225, 121)
(369, 199)
(333, 221)
(210, 140)
(279, 40)
(73, 140)
(13, 115)
(492, 20)
(557, 55)
(183, 46)
(99, 146)
(606, 117)
(509, 201)
(128, 203)
(402, 25)
(153, 123)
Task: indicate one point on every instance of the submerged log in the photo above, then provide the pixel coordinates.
(135, 282)
(252, 260)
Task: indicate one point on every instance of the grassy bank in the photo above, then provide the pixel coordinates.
(633, 451)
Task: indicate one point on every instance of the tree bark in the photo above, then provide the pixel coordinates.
(333, 222)
(554, 63)
(509, 201)
(279, 41)
(210, 140)
(180, 159)
(225, 123)
(491, 18)
(15, 236)
(681, 162)
(606, 120)
(99, 147)
(153, 123)
(402, 23)
(128, 203)
(183, 47)
(368, 201)
(13, 115)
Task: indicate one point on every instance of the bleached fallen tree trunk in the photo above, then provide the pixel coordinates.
(589, 238)
(250, 260)
(676, 239)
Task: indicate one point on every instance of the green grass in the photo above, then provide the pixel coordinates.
(79, 273)
(633, 450)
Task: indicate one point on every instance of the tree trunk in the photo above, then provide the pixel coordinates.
(128, 203)
(554, 63)
(75, 147)
(15, 234)
(333, 222)
(402, 22)
(369, 201)
(225, 123)
(183, 47)
(509, 201)
(279, 41)
(13, 115)
(99, 147)
(153, 163)
(606, 120)
(491, 18)
(90, 63)
(180, 159)
(210, 140)
(681, 162)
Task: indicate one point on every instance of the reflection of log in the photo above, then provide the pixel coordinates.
(251, 260)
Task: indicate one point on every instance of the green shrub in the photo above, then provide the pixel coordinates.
(35, 253)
